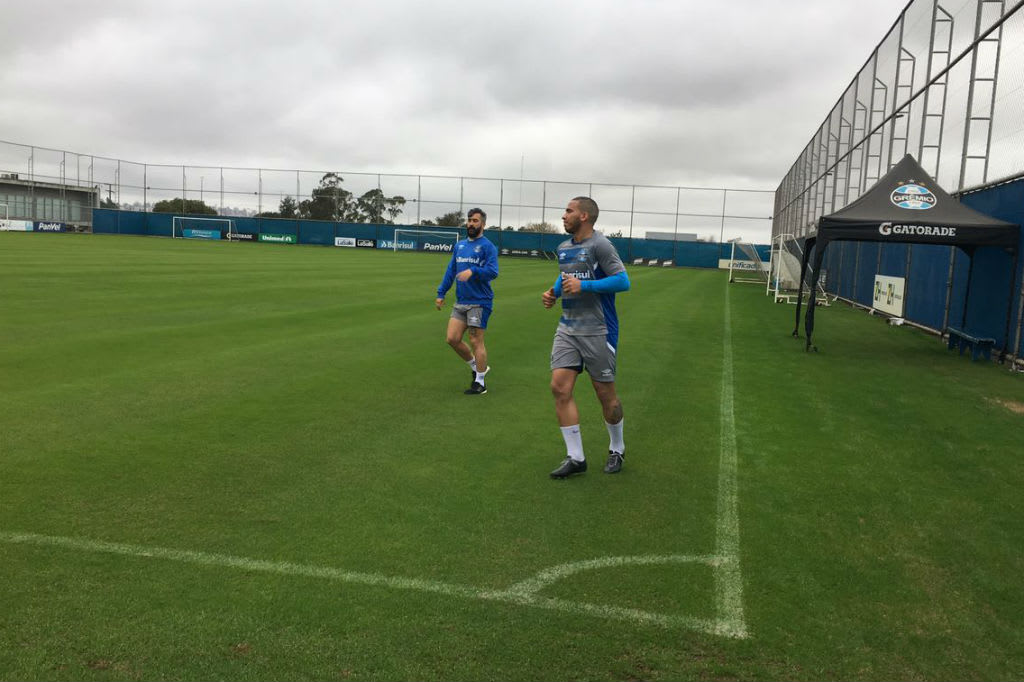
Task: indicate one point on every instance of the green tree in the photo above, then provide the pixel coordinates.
(539, 227)
(393, 207)
(453, 219)
(329, 201)
(186, 207)
(108, 203)
(288, 208)
(373, 206)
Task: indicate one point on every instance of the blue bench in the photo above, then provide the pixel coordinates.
(964, 341)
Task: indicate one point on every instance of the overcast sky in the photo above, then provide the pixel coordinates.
(659, 92)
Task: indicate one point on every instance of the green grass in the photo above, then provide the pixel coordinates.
(208, 406)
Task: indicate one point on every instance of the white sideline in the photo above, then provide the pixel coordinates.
(524, 593)
(728, 578)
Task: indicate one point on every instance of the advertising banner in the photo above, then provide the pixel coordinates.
(15, 225)
(195, 233)
(403, 245)
(49, 226)
(889, 294)
(749, 265)
(442, 247)
(345, 241)
(524, 253)
(366, 243)
(241, 237)
(277, 238)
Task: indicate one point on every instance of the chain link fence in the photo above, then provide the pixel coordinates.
(712, 214)
(945, 84)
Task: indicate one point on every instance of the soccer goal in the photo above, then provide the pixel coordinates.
(187, 227)
(755, 273)
(425, 240)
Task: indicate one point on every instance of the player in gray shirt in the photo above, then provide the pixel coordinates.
(590, 274)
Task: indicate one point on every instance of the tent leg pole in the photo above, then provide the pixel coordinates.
(1009, 308)
(967, 294)
(949, 286)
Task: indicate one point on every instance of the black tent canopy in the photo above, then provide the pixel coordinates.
(906, 206)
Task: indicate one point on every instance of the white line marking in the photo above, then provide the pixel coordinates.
(524, 593)
(728, 578)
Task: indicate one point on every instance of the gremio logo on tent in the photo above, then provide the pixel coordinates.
(913, 196)
(888, 229)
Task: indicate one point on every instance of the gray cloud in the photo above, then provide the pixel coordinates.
(647, 92)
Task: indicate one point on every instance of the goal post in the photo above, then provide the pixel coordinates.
(756, 273)
(424, 240)
(189, 227)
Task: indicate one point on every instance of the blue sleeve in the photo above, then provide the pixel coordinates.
(489, 270)
(607, 285)
(449, 277)
(558, 286)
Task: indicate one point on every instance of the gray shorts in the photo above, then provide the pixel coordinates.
(578, 352)
(471, 315)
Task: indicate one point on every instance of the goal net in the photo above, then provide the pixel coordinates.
(750, 269)
(188, 227)
(441, 241)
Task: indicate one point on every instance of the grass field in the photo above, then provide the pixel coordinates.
(253, 462)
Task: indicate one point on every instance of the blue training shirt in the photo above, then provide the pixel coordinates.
(480, 256)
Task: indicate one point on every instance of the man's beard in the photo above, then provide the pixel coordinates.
(474, 232)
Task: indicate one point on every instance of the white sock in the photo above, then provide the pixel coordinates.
(573, 442)
(615, 437)
(472, 364)
(480, 375)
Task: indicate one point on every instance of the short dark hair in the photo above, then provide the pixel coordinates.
(588, 206)
(477, 211)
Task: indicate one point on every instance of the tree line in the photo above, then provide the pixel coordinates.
(330, 201)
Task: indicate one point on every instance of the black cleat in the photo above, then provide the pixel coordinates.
(614, 464)
(569, 467)
(476, 389)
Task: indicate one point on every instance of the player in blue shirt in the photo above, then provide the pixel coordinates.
(473, 266)
(590, 274)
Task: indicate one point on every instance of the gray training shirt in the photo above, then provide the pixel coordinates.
(588, 313)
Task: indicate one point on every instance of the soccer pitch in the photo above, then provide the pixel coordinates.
(238, 461)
